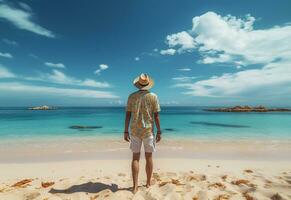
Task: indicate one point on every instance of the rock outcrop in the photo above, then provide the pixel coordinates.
(249, 109)
(42, 108)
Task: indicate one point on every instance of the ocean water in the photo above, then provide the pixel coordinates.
(20, 124)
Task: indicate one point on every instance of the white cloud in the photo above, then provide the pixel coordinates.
(168, 52)
(93, 83)
(231, 39)
(22, 19)
(235, 41)
(243, 82)
(117, 102)
(55, 77)
(170, 103)
(102, 67)
(10, 42)
(183, 40)
(56, 65)
(45, 90)
(136, 58)
(184, 69)
(59, 77)
(5, 73)
(222, 58)
(184, 78)
(6, 55)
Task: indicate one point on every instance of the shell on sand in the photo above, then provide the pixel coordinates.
(22, 183)
(47, 184)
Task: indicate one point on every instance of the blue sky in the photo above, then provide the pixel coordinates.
(87, 53)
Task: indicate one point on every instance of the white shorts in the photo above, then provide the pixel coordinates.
(148, 144)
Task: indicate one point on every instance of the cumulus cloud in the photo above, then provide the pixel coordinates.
(136, 58)
(183, 40)
(102, 67)
(5, 73)
(56, 65)
(243, 82)
(222, 58)
(59, 77)
(46, 90)
(168, 52)
(22, 19)
(6, 55)
(232, 39)
(236, 42)
(184, 69)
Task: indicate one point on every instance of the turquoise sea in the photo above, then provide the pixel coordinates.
(177, 122)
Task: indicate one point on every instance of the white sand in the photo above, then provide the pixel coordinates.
(96, 148)
(90, 168)
(173, 179)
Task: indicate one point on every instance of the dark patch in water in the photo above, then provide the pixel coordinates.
(84, 127)
(220, 125)
(169, 129)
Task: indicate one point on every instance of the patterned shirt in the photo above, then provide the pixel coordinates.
(142, 104)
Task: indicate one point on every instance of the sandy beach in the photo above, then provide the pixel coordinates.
(203, 86)
(182, 170)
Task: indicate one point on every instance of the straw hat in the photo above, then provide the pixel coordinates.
(143, 82)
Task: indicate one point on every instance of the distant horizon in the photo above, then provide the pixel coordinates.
(198, 52)
(162, 105)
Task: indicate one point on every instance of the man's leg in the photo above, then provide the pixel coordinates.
(135, 170)
(149, 167)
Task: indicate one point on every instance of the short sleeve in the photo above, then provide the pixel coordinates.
(129, 105)
(156, 106)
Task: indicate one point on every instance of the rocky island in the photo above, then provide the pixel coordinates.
(249, 109)
(42, 108)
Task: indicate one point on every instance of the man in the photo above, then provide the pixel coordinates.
(142, 112)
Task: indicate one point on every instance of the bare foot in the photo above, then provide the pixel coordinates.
(134, 190)
(149, 184)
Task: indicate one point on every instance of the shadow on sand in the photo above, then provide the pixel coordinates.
(89, 187)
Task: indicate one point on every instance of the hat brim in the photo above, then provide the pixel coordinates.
(143, 87)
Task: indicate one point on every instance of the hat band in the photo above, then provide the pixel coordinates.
(143, 84)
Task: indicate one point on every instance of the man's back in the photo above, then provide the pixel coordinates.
(142, 104)
(142, 112)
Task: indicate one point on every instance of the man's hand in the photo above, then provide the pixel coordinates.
(158, 137)
(126, 136)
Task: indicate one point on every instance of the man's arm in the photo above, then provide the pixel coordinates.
(157, 122)
(126, 125)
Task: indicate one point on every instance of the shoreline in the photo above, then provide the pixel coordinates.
(75, 149)
(60, 168)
